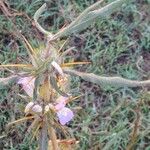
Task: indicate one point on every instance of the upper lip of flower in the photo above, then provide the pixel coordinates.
(27, 84)
(64, 114)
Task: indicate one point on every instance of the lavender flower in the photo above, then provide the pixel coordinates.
(27, 84)
(64, 114)
(37, 108)
(61, 102)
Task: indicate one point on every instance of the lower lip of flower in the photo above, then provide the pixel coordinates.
(65, 115)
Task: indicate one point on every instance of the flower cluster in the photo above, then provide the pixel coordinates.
(64, 114)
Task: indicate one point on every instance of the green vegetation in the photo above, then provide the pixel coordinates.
(110, 118)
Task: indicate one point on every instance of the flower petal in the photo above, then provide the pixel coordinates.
(28, 107)
(37, 108)
(65, 115)
(48, 107)
(61, 102)
(27, 84)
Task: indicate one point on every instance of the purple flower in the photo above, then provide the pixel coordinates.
(61, 102)
(27, 84)
(64, 114)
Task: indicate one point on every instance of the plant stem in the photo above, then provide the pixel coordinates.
(43, 139)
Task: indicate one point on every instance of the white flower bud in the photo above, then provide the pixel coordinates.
(57, 67)
(37, 108)
(28, 107)
(48, 107)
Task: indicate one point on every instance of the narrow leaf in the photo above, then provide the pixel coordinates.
(88, 18)
(113, 81)
(31, 51)
(20, 120)
(36, 17)
(74, 63)
(36, 87)
(17, 65)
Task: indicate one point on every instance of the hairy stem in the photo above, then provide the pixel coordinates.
(43, 139)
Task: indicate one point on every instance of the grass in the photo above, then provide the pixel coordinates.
(110, 118)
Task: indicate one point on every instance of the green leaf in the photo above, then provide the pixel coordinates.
(113, 81)
(88, 17)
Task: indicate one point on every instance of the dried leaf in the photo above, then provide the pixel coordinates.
(66, 144)
(70, 64)
(55, 86)
(20, 120)
(45, 90)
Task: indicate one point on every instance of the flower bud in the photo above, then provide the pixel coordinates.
(58, 68)
(48, 107)
(28, 107)
(37, 108)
